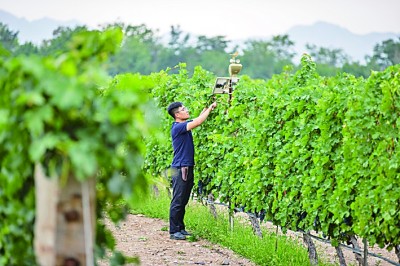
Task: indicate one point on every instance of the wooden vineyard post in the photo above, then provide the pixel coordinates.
(65, 220)
(358, 256)
(213, 210)
(339, 252)
(231, 218)
(312, 251)
(365, 262)
(397, 251)
(276, 241)
(231, 221)
(255, 225)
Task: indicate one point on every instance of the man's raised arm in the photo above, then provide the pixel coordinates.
(201, 118)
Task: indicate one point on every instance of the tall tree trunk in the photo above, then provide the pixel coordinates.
(65, 220)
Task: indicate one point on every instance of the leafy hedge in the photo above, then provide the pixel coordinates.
(313, 153)
(65, 113)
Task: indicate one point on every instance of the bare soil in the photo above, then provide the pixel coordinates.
(148, 239)
(143, 237)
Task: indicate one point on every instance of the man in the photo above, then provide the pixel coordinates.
(182, 164)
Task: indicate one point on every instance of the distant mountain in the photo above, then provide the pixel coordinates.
(331, 36)
(321, 34)
(34, 31)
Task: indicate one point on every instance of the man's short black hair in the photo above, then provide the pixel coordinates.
(173, 108)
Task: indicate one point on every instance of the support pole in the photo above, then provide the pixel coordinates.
(397, 251)
(276, 241)
(312, 251)
(231, 218)
(354, 242)
(365, 252)
(213, 210)
(65, 220)
(255, 225)
(339, 252)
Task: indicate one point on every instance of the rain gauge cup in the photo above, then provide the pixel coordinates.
(225, 85)
(234, 69)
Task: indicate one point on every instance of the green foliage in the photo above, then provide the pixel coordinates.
(8, 38)
(270, 250)
(386, 54)
(331, 57)
(314, 153)
(139, 51)
(119, 259)
(65, 113)
(59, 42)
(145, 52)
(371, 156)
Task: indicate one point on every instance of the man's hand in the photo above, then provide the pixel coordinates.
(213, 105)
(201, 118)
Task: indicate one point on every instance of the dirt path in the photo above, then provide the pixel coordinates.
(141, 236)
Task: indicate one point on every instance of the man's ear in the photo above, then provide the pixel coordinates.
(177, 114)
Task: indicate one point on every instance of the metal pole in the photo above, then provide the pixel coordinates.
(365, 252)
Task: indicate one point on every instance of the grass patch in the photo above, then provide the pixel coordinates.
(241, 240)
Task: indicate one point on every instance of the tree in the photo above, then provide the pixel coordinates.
(332, 57)
(9, 41)
(178, 49)
(217, 43)
(386, 54)
(8, 38)
(265, 58)
(215, 61)
(177, 42)
(356, 69)
(134, 56)
(329, 61)
(61, 37)
(283, 47)
(139, 50)
(259, 59)
(26, 49)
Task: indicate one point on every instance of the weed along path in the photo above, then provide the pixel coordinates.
(148, 239)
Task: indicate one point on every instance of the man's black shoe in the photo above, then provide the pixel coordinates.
(185, 233)
(177, 236)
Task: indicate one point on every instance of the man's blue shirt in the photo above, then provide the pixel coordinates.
(182, 142)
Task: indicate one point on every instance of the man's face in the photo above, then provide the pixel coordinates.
(182, 113)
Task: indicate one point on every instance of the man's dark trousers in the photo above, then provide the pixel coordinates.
(180, 197)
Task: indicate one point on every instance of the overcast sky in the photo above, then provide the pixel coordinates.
(232, 18)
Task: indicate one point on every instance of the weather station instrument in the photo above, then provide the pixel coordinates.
(226, 85)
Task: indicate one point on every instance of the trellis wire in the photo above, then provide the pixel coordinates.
(358, 251)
